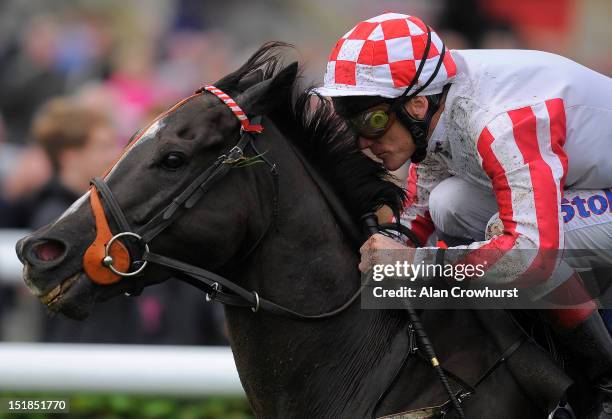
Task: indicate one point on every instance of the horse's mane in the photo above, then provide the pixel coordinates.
(311, 124)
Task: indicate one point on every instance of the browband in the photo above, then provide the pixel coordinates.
(236, 110)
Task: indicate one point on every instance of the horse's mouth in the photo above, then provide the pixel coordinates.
(74, 296)
(53, 297)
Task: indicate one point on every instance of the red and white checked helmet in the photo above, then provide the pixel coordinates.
(380, 57)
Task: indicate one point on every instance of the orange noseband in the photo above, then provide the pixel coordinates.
(92, 259)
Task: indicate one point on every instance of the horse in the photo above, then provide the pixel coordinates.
(274, 237)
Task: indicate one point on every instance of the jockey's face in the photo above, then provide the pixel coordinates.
(396, 146)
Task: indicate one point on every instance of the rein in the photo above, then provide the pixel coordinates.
(214, 285)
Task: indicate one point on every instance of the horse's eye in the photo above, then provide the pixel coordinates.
(173, 161)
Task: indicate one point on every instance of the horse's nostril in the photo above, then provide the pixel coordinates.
(48, 250)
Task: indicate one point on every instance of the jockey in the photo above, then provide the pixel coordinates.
(513, 138)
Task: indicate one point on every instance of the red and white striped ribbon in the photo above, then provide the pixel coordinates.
(236, 110)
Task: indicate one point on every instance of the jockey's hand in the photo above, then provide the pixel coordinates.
(380, 250)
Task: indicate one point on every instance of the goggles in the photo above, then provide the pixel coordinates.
(374, 122)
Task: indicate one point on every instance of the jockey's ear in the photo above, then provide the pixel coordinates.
(417, 106)
(265, 96)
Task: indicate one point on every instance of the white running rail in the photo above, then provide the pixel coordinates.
(142, 369)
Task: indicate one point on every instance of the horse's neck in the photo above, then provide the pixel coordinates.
(331, 368)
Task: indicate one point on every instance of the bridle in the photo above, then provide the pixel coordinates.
(107, 260)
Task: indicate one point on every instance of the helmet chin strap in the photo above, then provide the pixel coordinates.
(419, 128)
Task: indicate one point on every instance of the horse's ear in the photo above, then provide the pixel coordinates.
(250, 79)
(268, 94)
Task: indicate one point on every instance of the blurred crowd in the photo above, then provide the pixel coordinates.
(78, 78)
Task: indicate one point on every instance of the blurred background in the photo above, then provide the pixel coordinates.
(79, 77)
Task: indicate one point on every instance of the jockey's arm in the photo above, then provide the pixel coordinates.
(422, 179)
(522, 153)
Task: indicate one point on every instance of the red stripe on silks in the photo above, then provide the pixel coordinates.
(491, 252)
(547, 258)
(422, 227)
(545, 196)
(496, 172)
(568, 318)
(545, 190)
(573, 294)
(558, 133)
(411, 185)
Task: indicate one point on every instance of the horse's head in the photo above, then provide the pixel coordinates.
(63, 262)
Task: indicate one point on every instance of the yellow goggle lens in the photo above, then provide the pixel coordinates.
(378, 119)
(371, 123)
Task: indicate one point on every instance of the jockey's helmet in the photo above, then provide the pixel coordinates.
(382, 63)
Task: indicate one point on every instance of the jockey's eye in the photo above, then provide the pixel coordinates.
(173, 161)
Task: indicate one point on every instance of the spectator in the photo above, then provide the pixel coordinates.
(80, 144)
(8, 154)
(28, 78)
